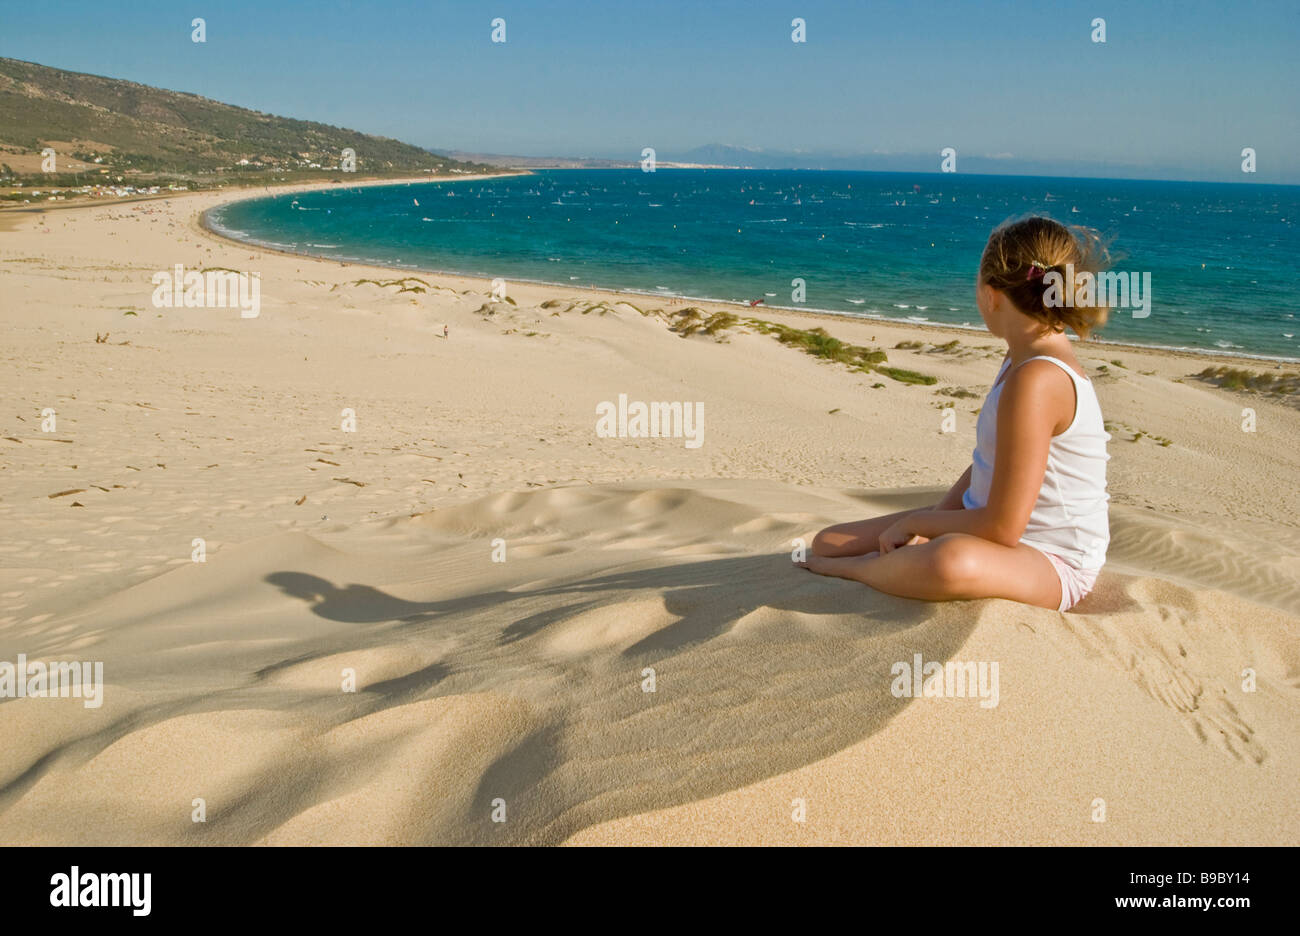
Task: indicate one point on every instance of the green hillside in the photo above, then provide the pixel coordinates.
(123, 131)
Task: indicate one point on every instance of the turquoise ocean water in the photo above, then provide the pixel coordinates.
(1222, 257)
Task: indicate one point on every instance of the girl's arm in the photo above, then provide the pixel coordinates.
(1035, 403)
(952, 500)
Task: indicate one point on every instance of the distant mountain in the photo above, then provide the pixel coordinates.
(744, 157)
(726, 156)
(573, 162)
(720, 154)
(98, 124)
(502, 161)
(713, 155)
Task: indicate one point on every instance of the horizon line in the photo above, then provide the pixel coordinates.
(667, 166)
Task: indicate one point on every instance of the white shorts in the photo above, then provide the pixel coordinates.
(1075, 583)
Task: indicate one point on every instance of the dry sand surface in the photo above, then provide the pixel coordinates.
(521, 682)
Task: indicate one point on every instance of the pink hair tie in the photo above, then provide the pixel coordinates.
(1035, 272)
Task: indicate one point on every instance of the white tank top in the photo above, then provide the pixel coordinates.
(1069, 518)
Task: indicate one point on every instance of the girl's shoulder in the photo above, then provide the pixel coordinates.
(1040, 388)
(1037, 371)
(1062, 362)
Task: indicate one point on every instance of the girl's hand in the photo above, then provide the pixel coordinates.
(898, 535)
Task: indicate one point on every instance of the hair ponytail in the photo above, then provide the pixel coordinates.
(1021, 257)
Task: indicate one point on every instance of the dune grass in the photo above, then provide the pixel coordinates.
(1234, 378)
(820, 343)
(411, 284)
(692, 320)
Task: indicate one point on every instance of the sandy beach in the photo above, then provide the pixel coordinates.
(441, 627)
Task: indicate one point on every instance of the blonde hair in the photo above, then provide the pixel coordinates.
(1020, 253)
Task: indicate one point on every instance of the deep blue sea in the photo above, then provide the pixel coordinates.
(1222, 257)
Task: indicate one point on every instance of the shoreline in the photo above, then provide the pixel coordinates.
(11, 214)
(204, 225)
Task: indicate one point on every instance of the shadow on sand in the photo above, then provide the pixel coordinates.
(758, 668)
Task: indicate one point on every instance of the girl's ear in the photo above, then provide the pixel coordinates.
(986, 298)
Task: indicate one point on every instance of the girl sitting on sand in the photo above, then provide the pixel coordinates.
(1027, 520)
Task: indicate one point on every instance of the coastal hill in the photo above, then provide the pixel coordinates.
(108, 127)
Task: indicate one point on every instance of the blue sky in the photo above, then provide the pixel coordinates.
(1177, 90)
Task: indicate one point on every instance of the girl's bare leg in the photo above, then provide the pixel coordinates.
(952, 566)
(856, 538)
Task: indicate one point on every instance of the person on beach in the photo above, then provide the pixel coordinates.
(1027, 520)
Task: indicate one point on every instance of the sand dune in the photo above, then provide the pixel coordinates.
(522, 680)
(483, 685)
